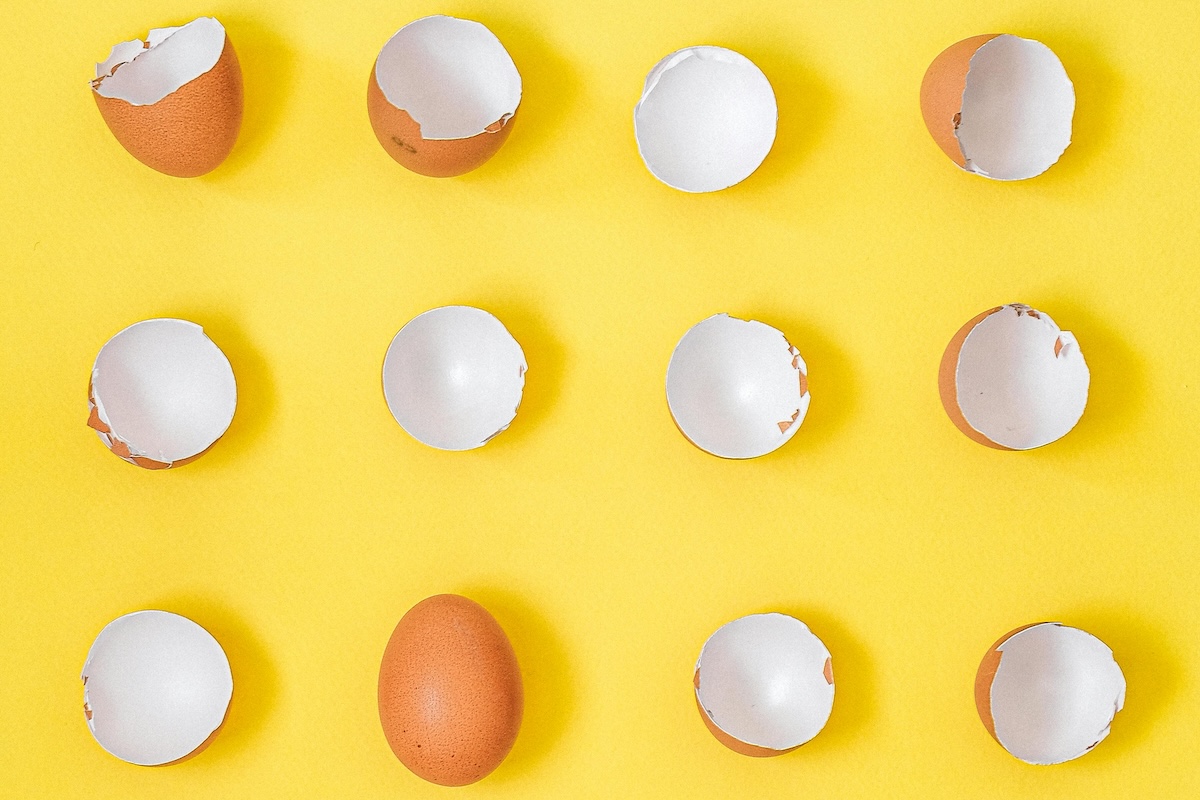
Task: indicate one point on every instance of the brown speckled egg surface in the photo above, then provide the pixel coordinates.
(450, 694)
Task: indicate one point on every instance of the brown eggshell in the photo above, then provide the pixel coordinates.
(190, 131)
(400, 136)
(450, 693)
(986, 674)
(948, 384)
(942, 93)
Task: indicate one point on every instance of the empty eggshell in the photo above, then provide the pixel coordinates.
(156, 688)
(1000, 106)
(450, 692)
(764, 684)
(1012, 380)
(453, 377)
(442, 96)
(737, 388)
(162, 393)
(1048, 692)
(706, 119)
(174, 101)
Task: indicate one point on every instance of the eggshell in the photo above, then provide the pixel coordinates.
(453, 377)
(999, 106)
(174, 101)
(161, 393)
(764, 684)
(706, 119)
(443, 95)
(737, 388)
(156, 688)
(1048, 693)
(450, 693)
(1013, 380)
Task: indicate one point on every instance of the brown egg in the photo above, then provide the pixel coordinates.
(450, 694)
(174, 101)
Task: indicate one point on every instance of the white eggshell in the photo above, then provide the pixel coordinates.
(162, 392)
(737, 388)
(142, 73)
(156, 687)
(453, 377)
(1054, 693)
(706, 119)
(766, 681)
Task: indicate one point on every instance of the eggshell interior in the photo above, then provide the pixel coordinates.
(156, 687)
(453, 377)
(737, 388)
(163, 391)
(452, 76)
(1054, 693)
(1016, 379)
(766, 681)
(142, 73)
(706, 119)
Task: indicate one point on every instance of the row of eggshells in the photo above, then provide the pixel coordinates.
(158, 686)
(443, 95)
(162, 392)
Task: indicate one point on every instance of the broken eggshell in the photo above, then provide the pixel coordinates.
(450, 691)
(764, 684)
(1012, 380)
(453, 377)
(999, 106)
(706, 119)
(1048, 693)
(161, 394)
(173, 101)
(737, 388)
(442, 96)
(156, 688)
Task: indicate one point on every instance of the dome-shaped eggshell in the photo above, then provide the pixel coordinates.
(450, 692)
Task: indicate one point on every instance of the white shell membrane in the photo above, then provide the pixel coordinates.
(762, 681)
(1017, 109)
(1012, 385)
(1055, 693)
(734, 387)
(164, 388)
(453, 377)
(146, 72)
(706, 119)
(452, 76)
(157, 686)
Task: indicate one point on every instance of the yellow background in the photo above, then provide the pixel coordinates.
(607, 546)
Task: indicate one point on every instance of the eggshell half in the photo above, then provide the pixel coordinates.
(1048, 693)
(442, 96)
(156, 688)
(453, 377)
(999, 106)
(174, 101)
(450, 693)
(706, 119)
(161, 394)
(1013, 380)
(764, 684)
(737, 388)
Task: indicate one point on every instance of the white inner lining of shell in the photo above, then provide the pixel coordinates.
(156, 685)
(142, 73)
(1055, 693)
(1017, 109)
(164, 388)
(452, 76)
(734, 387)
(762, 681)
(1012, 385)
(706, 119)
(453, 377)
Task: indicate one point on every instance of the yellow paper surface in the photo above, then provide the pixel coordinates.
(605, 544)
